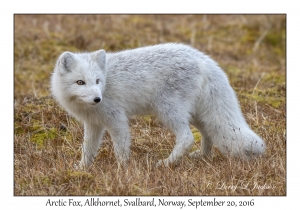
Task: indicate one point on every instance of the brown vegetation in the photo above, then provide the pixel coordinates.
(250, 49)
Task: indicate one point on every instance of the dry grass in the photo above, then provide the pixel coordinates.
(251, 50)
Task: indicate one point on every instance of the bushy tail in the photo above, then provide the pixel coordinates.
(222, 122)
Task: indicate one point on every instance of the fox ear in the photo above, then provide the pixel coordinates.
(100, 57)
(66, 62)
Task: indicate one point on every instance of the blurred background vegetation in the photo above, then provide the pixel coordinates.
(241, 44)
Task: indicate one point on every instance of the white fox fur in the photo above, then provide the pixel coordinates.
(176, 83)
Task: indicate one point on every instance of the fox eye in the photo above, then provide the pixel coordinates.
(80, 82)
(97, 81)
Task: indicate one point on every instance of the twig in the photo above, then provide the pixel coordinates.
(259, 40)
(257, 83)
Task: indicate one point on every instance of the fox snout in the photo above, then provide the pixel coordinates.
(97, 99)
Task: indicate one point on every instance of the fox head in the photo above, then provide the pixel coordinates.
(79, 77)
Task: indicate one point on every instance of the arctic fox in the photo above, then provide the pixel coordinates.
(176, 83)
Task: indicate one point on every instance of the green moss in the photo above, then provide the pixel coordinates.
(43, 180)
(36, 126)
(251, 33)
(277, 78)
(267, 96)
(196, 134)
(39, 137)
(75, 175)
(275, 103)
(18, 128)
(147, 118)
(275, 38)
(233, 70)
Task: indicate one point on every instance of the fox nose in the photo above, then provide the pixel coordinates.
(97, 99)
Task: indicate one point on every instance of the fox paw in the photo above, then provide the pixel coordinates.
(79, 166)
(195, 154)
(166, 163)
(161, 163)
